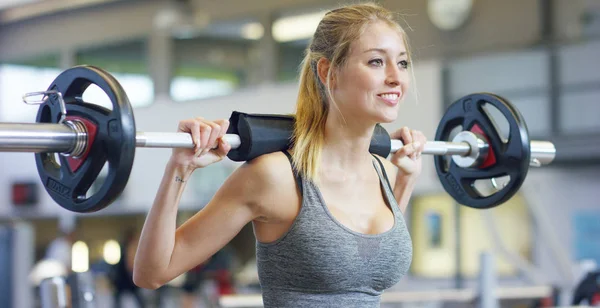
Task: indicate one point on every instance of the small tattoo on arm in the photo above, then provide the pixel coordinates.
(178, 179)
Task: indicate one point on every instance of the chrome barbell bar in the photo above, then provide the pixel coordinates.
(65, 138)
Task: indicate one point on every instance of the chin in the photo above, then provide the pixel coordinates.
(387, 120)
(383, 120)
(387, 117)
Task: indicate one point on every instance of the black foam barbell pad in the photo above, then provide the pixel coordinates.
(267, 133)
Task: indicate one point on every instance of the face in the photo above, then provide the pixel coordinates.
(375, 78)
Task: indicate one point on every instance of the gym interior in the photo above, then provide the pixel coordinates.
(177, 59)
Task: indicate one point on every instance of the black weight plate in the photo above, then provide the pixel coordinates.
(512, 155)
(114, 142)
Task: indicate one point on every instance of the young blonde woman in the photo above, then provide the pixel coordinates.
(327, 215)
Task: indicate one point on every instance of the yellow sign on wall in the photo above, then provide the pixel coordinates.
(433, 229)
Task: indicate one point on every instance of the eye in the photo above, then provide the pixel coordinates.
(404, 64)
(376, 62)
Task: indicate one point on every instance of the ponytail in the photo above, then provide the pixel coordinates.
(311, 114)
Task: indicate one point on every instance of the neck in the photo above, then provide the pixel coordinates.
(346, 145)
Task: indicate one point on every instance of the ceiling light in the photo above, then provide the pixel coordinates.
(296, 27)
(253, 31)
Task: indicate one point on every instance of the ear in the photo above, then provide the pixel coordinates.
(323, 66)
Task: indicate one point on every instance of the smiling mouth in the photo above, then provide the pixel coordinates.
(389, 96)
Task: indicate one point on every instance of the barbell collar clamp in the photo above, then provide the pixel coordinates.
(478, 150)
(81, 137)
(28, 99)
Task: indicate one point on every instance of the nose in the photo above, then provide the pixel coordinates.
(392, 76)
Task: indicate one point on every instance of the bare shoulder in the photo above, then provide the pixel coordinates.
(267, 183)
(390, 169)
(266, 171)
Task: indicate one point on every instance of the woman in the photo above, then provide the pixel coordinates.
(327, 215)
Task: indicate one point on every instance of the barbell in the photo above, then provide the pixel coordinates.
(88, 136)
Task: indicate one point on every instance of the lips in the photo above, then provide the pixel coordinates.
(390, 98)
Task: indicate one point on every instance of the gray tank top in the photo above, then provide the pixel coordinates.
(319, 262)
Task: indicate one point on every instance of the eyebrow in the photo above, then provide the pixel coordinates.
(380, 50)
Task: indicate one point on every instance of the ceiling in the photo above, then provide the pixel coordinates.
(15, 10)
(13, 3)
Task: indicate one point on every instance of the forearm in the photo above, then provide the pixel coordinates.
(157, 240)
(403, 189)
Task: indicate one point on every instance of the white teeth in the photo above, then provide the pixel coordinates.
(390, 96)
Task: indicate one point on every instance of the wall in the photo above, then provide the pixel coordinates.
(486, 30)
(558, 194)
(67, 31)
(115, 22)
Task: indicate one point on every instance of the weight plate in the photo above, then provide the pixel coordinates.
(512, 156)
(113, 144)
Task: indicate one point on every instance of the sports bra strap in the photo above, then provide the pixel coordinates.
(295, 171)
(384, 173)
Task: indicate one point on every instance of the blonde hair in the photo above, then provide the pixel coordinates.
(332, 40)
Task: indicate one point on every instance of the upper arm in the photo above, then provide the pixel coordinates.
(235, 204)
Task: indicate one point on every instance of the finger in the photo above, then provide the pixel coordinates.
(191, 127)
(215, 131)
(196, 125)
(402, 134)
(223, 148)
(407, 150)
(423, 143)
(397, 134)
(409, 140)
(224, 124)
(405, 136)
(414, 135)
(400, 161)
(420, 137)
(185, 125)
(204, 136)
(413, 150)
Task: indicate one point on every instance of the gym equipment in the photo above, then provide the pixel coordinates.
(490, 156)
(588, 290)
(87, 136)
(74, 290)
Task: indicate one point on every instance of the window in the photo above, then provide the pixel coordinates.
(496, 73)
(206, 67)
(291, 55)
(127, 62)
(579, 107)
(24, 76)
(293, 31)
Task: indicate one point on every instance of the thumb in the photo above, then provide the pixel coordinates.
(406, 150)
(223, 148)
(405, 164)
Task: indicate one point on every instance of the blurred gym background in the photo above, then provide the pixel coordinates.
(182, 58)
